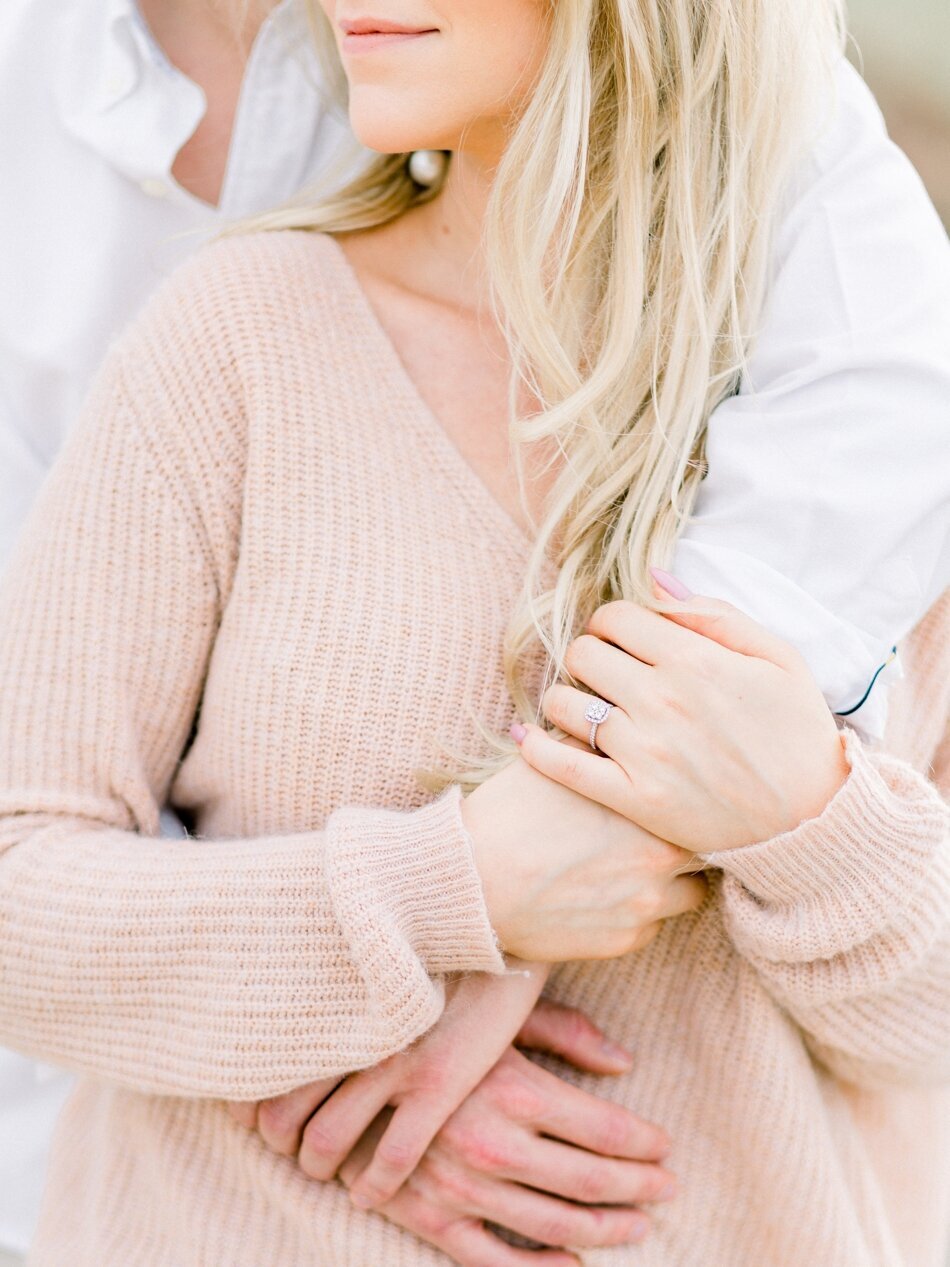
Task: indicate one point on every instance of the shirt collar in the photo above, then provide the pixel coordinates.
(120, 95)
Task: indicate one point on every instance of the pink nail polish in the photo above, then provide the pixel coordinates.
(669, 583)
(615, 1052)
(517, 731)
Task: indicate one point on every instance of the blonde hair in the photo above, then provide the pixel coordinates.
(628, 240)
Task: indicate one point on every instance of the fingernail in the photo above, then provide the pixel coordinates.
(613, 1051)
(667, 1192)
(669, 583)
(517, 731)
(360, 1200)
(639, 1230)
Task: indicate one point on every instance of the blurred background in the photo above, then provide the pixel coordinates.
(903, 50)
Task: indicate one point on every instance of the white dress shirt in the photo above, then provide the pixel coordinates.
(93, 115)
(824, 512)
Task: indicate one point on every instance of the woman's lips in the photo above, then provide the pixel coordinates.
(362, 35)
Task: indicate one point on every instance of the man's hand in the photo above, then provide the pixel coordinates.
(549, 1134)
(530, 1153)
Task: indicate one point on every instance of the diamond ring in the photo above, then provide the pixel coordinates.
(597, 711)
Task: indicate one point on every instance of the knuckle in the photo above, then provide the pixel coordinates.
(278, 1124)
(591, 1186)
(318, 1153)
(431, 1078)
(578, 653)
(573, 1027)
(519, 1101)
(483, 1153)
(397, 1156)
(430, 1220)
(560, 1229)
(611, 1135)
(453, 1186)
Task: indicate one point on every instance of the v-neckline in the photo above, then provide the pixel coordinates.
(465, 476)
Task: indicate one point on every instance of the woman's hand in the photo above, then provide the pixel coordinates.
(566, 877)
(320, 1123)
(533, 1154)
(720, 736)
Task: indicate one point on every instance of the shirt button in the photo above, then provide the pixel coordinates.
(154, 187)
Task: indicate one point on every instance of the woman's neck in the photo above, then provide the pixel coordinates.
(437, 249)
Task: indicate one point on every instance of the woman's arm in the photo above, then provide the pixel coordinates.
(847, 919)
(836, 882)
(238, 968)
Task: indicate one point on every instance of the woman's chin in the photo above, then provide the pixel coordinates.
(385, 131)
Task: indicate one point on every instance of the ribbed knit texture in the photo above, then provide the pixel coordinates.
(262, 582)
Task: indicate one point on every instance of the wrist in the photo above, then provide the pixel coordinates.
(483, 855)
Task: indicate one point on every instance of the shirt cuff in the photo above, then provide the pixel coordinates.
(415, 870)
(876, 834)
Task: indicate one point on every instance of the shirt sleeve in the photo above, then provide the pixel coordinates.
(825, 513)
(235, 968)
(847, 921)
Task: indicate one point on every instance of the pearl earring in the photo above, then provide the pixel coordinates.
(426, 167)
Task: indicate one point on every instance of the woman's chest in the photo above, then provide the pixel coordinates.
(365, 625)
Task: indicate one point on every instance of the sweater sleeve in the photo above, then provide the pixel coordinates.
(238, 968)
(847, 920)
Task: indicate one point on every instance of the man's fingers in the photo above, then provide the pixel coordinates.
(337, 1125)
(281, 1120)
(565, 1171)
(548, 1220)
(244, 1112)
(471, 1245)
(567, 1032)
(577, 1117)
(411, 1130)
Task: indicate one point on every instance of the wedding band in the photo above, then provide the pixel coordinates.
(597, 711)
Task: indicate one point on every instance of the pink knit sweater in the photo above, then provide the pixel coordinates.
(262, 582)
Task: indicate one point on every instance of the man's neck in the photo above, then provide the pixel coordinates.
(180, 25)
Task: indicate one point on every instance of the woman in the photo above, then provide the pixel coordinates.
(263, 459)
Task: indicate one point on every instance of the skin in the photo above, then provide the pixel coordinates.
(691, 748)
(573, 848)
(209, 40)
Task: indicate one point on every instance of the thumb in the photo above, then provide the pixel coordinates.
(566, 1032)
(721, 622)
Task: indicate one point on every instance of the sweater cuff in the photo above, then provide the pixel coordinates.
(416, 870)
(876, 834)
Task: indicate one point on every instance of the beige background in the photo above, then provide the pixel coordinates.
(903, 48)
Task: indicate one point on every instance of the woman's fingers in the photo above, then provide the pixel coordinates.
(646, 635)
(564, 706)
(568, 1033)
(281, 1120)
(338, 1124)
(583, 771)
(726, 625)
